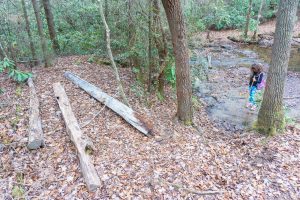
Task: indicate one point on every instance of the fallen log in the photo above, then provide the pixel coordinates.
(234, 39)
(35, 135)
(88, 170)
(118, 107)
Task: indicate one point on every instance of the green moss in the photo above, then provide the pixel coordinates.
(19, 91)
(188, 122)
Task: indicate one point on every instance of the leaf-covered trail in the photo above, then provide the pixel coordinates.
(171, 165)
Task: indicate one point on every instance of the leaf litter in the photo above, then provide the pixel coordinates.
(179, 162)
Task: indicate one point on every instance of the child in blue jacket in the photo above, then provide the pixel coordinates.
(255, 81)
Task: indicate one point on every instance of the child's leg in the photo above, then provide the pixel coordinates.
(252, 91)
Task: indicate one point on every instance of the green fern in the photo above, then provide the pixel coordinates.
(14, 73)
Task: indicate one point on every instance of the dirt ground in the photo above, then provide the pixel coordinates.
(267, 27)
(178, 162)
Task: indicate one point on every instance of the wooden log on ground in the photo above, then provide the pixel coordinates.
(88, 170)
(234, 39)
(35, 137)
(118, 107)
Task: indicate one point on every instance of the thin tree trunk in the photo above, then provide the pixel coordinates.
(254, 37)
(120, 87)
(2, 52)
(51, 26)
(28, 30)
(248, 19)
(150, 48)
(271, 115)
(36, 9)
(105, 15)
(161, 45)
(131, 32)
(183, 77)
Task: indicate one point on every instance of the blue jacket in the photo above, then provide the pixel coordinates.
(258, 77)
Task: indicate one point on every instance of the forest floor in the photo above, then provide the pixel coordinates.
(178, 162)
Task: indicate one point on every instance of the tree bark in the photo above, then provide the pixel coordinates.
(88, 170)
(133, 118)
(254, 37)
(120, 86)
(161, 45)
(248, 19)
(271, 115)
(36, 9)
(28, 30)
(2, 52)
(51, 26)
(151, 65)
(183, 79)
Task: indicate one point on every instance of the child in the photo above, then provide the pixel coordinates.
(255, 79)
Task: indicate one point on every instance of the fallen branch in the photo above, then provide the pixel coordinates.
(35, 135)
(118, 107)
(88, 170)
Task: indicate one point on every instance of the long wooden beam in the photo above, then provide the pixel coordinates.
(132, 117)
(88, 170)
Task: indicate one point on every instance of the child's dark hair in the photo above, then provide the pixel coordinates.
(257, 68)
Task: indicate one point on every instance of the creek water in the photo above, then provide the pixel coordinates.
(226, 91)
(265, 54)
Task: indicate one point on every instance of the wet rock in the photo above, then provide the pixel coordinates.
(210, 101)
(265, 43)
(203, 90)
(227, 46)
(2, 146)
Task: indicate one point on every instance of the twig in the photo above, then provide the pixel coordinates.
(180, 187)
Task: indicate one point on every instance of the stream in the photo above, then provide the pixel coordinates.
(226, 91)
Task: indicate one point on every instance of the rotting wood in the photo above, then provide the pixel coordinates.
(35, 137)
(118, 107)
(88, 170)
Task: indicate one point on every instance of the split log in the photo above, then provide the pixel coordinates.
(118, 107)
(35, 138)
(88, 170)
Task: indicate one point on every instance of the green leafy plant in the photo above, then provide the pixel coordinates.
(170, 71)
(13, 72)
(18, 192)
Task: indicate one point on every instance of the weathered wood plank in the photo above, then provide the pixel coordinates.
(118, 107)
(35, 135)
(88, 170)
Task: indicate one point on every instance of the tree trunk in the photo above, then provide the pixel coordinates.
(36, 9)
(51, 26)
(120, 86)
(161, 45)
(2, 52)
(254, 37)
(271, 115)
(183, 77)
(248, 19)
(150, 48)
(28, 30)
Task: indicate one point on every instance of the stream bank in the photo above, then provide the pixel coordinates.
(225, 90)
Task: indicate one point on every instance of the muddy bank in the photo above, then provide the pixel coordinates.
(226, 91)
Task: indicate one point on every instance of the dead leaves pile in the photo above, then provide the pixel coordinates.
(178, 163)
